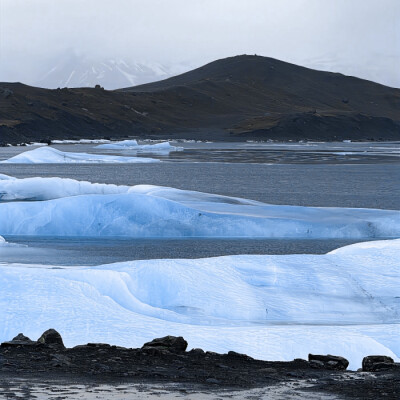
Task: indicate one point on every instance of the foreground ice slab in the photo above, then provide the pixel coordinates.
(163, 147)
(50, 155)
(65, 207)
(271, 307)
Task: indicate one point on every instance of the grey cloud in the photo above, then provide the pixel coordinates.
(358, 37)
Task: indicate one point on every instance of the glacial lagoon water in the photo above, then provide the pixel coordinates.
(360, 175)
(290, 296)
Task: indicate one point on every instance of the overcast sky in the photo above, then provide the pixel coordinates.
(359, 37)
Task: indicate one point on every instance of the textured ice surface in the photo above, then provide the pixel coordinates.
(65, 207)
(270, 307)
(12, 189)
(4, 177)
(50, 155)
(133, 145)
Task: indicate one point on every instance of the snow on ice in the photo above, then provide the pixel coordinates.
(270, 307)
(275, 307)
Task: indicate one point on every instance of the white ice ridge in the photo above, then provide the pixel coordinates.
(6, 245)
(29, 189)
(80, 141)
(50, 155)
(270, 307)
(65, 207)
(145, 148)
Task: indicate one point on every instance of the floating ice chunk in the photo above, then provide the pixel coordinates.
(133, 145)
(119, 145)
(30, 189)
(155, 211)
(145, 215)
(80, 141)
(36, 144)
(50, 155)
(270, 307)
(4, 244)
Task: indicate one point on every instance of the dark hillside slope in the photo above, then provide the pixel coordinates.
(237, 98)
(285, 86)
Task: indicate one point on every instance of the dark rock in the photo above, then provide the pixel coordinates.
(172, 344)
(212, 380)
(59, 360)
(156, 351)
(22, 337)
(329, 362)
(375, 363)
(197, 351)
(300, 362)
(6, 93)
(19, 340)
(51, 338)
(239, 355)
(317, 364)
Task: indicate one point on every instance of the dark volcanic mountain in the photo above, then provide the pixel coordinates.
(237, 98)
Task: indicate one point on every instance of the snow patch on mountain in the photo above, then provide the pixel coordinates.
(74, 71)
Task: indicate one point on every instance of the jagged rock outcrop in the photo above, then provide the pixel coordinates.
(329, 362)
(377, 363)
(168, 343)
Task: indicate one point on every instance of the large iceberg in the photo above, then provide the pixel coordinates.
(65, 207)
(163, 147)
(50, 155)
(270, 307)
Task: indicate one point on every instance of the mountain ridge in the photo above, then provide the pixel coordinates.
(236, 98)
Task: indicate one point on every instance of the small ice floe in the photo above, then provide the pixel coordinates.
(80, 141)
(49, 155)
(36, 144)
(162, 147)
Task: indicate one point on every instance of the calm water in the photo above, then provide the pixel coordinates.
(296, 174)
(78, 251)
